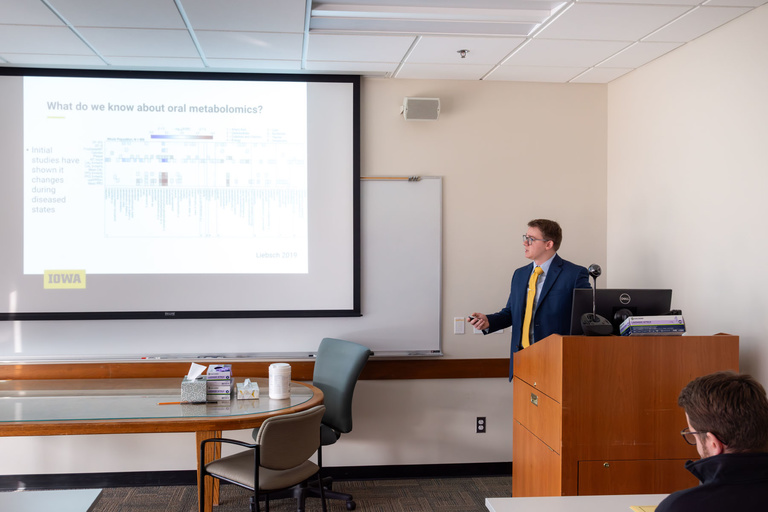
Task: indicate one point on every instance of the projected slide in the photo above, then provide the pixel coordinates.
(163, 177)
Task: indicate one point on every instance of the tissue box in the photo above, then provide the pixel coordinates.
(660, 325)
(247, 390)
(194, 390)
(219, 372)
(218, 392)
(220, 384)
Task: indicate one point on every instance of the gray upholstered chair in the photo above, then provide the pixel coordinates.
(337, 369)
(278, 461)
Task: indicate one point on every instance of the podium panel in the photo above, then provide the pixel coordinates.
(611, 403)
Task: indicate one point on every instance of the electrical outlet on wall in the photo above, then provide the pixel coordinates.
(480, 425)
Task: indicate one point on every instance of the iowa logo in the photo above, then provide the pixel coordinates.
(60, 279)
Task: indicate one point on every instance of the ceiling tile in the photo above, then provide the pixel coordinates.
(27, 59)
(547, 52)
(14, 12)
(736, 3)
(639, 54)
(157, 62)
(255, 64)
(130, 42)
(247, 15)
(358, 48)
(445, 71)
(609, 22)
(599, 38)
(355, 68)
(697, 23)
(444, 50)
(535, 73)
(600, 75)
(41, 40)
(250, 45)
(116, 13)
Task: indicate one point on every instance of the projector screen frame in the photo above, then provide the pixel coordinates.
(355, 310)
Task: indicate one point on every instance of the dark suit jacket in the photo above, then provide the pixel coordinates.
(553, 313)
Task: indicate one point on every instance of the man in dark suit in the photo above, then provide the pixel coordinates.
(555, 279)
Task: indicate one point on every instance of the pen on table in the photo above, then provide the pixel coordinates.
(177, 403)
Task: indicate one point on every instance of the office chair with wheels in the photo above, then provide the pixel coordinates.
(277, 463)
(337, 369)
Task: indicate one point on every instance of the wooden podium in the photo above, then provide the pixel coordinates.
(599, 415)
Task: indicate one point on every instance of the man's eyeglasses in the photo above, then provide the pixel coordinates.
(528, 240)
(688, 435)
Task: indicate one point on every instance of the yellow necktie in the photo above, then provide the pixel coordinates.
(526, 341)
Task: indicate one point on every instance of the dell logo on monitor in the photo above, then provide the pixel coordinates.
(624, 298)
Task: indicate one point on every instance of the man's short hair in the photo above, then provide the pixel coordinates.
(731, 406)
(550, 230)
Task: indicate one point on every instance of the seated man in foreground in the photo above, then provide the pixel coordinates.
(727, 417)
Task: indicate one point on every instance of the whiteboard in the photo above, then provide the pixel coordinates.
(401, 259)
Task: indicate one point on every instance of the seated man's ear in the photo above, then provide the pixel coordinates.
(713, 445)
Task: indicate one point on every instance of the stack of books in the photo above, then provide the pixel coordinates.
(661, 325)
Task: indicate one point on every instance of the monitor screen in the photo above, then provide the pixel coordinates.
(612, 304)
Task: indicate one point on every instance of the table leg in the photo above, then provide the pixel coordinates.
(212, 452)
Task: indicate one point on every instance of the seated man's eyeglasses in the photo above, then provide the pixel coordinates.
(528, 240)
(688, 435)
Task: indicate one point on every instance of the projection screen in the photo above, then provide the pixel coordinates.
(149, 195)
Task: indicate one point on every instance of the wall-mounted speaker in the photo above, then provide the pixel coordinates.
(421, 109)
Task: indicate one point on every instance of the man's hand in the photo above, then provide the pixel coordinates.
(479, 321)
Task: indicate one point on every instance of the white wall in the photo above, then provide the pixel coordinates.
(687, 182)
(508, 152)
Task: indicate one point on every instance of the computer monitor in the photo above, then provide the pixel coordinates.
(609, 303)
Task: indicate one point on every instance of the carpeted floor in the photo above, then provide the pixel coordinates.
(397, 495)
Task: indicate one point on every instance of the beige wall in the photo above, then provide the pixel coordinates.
(687, 182)
(508, 153)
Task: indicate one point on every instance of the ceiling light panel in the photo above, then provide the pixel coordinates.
(516, 19)
(429, 13)
(395, 26)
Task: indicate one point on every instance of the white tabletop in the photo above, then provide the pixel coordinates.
(608, 503)
(70, 500)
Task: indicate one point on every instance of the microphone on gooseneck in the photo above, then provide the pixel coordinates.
(594, 270)
(591, 323)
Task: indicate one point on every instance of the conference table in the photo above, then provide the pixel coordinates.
(130, 406)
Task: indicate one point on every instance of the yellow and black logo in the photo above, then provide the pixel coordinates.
(62, 279)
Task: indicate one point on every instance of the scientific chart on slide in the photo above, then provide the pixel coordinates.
(127, 176)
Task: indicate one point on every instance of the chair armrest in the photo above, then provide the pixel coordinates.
(227, 441)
